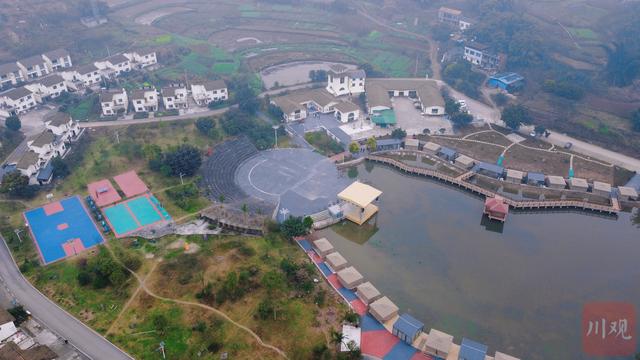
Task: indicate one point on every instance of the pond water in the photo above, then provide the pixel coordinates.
(294, 72)
(519, 288)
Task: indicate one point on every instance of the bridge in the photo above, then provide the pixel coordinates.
(461, 182)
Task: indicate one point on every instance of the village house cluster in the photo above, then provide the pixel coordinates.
(35, 79)
(147, 100)
(36, 161)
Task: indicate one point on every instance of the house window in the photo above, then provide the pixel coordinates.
(139, 102)
(434, 111)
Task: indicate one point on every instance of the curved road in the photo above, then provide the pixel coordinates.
(53, 317)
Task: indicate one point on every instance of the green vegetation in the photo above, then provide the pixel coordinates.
(515, 115)
(9, 140)
(183, 160)
(236, 122)
(296, 226)
(186, 197)
(13, 123)
(323, 143)
(564, 88)
(583, 33)
(461, 77)
(17, 185)
(87, 108)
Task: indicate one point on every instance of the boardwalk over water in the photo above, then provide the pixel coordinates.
(461, 182)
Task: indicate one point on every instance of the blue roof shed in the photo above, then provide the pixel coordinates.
(471, 350)
(506, 81)
(45, 174)
(407, 328)
(488, 169)
(447, 153)
(535, 178)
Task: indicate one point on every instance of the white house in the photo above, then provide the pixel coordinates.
(449, 15)
(113, 101)
(298, 105)
(88, 75)
(142, 59)
(50, 86)
(347, 111)
(114, 65)
(29, 165)
(47, 145)
(62, 125)
(343, 81)
(10, 74)
(18, 100)
(7, 327)
(145, 100)
(210, 91)
(33, 67)
(57, 59)
(425, 91)
(481, 55)
(175, 97)
(464, 23)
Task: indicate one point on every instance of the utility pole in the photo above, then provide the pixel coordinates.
(117, 137)
(18, 231)
(181, 181)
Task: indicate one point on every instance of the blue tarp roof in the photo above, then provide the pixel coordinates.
(471, 350)
(388, 142)
(507, 78)
(45, 173)
(493, 168)
(408, 325)
(535, 176)
(447, 151)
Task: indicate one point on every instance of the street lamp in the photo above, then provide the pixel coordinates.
(275, 132)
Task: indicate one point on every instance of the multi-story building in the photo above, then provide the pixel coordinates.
(18, 100)
(344, 81)
(88, 75)
(114, 65)
(175, 97)
(449, 15)
(112, 102)
(142, 59)
(145, 100)
(62, 125)
(481, 55)
(10, 74)
(57, 59)
(50, 86)
(33, 67)
(211, 91)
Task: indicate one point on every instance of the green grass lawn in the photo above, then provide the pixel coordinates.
(583, 33)
(85, 109)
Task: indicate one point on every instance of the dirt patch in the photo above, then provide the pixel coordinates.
(265, 59)
(525, 159)
(576, 64)
(592, 171)
(478, 151)
(150, 17)
(491, 137)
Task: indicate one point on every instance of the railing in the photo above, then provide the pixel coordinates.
(516, 204)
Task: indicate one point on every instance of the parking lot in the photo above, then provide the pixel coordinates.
(410, 119)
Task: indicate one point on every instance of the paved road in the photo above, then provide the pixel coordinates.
(53, 317)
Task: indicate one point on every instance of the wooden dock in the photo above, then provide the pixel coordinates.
(461, 182)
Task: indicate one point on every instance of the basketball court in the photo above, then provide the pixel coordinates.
(61, 229)
(135, 214)
(299, 180)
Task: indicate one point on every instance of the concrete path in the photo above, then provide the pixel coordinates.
(52, 316)
(97, 124)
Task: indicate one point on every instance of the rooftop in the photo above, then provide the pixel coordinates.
(17, 93)
(359, 194)
(214, 85)
(11, 351)
(349, 275)
(28, 159)
(378, 90)
(439, 341)
(514, 174)
(556, 180)
(411, 142)
(8, 68)
(450, 10)
(346, 107)
(141, 93)
(58, 118)
(336, 260)
(477, 46)
(384, 117)
(627, 191)
(502, 356)
(323, 245)
(51, 80)
(471, 350)
(408, 325)
(464, 160)
(447, 151)
(579, 182)
(431, 146)
(508, 78)
(107, 96)
(32, 61)
(535, 176)
(86, 69)
(601, 186)
(56, 54)
(384, 307)
(44, 138)
(492, 168)
(368, 290)
(45, 172)
(389, 142)
(117, 59)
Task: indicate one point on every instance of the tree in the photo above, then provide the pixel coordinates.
(451, 106)
(160, 322)
(247, 99)
(307, 222)
(461, 119)
(19, 314)
(15, 184)
(372, 144)
(635, 120)
(205, 125)
(515, 115)
(13, 123)
(337, 338)
(623, 65)
(293, 226)
(60, 167)
(398, 133)
(273, 282)
(185, 160)
(354, 148)
(539, 129)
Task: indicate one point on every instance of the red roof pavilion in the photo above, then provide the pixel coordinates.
(496, 209)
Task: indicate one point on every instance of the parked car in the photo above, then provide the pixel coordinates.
(568, 145)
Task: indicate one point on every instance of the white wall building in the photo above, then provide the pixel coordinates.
(210, 91)
(113, 101)
(346, 111)
(57, 59)
(18, 100)
(343, 81)
(7, 327)
(10, 74)
(62, 125)
(50, 86)
(33, 67)
(47, 145)
(142, 59)
(145, 100)
(175, 97)
(481, 55)
(114, 65)
(88, 75)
